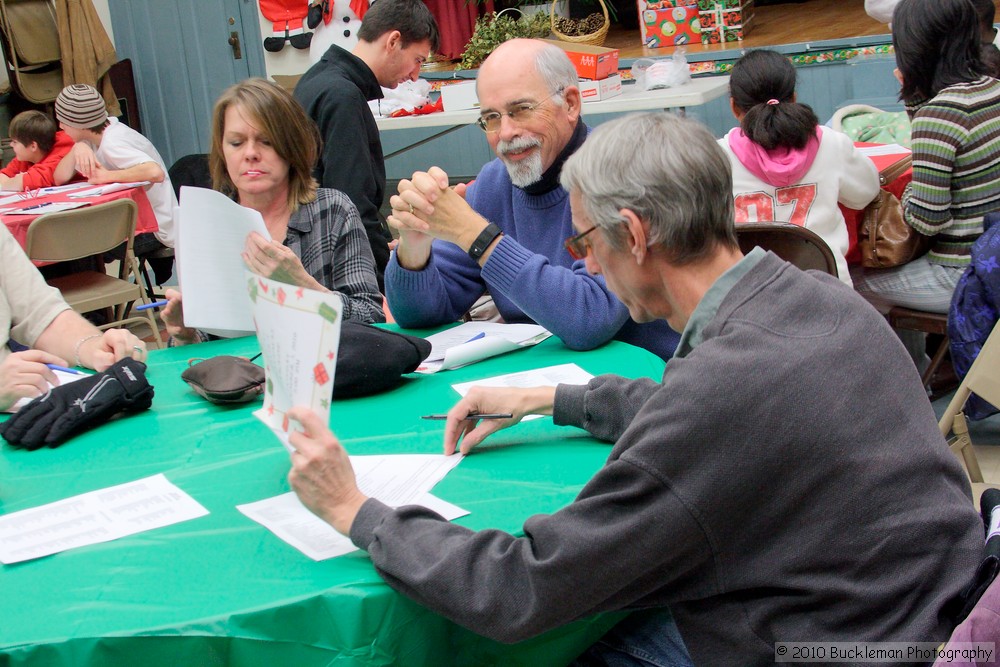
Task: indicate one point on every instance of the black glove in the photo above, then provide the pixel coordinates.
(77, 406)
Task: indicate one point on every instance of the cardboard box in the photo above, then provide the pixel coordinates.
(669, 26)
(458, 96)
(591, 62)
(591, 91)
(725, 23)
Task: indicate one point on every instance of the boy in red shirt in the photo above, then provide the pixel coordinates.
(38, 147)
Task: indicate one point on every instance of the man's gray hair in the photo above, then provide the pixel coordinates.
(556, 69)
(669, 171)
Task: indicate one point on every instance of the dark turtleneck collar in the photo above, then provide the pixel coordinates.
(550, 179)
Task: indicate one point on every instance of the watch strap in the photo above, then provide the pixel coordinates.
(483, 241)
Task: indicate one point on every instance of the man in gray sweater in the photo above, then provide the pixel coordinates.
(784, 482)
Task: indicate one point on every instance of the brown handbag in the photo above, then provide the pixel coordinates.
(884, 238)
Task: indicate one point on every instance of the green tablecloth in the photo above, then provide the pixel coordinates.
(221, 589)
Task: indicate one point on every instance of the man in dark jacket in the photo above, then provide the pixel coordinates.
(395, 38)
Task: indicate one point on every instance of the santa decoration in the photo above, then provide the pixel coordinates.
(286, 17)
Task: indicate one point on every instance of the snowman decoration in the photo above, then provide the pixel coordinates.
(335, 22)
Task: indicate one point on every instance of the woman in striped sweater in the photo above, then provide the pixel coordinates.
(955, 112)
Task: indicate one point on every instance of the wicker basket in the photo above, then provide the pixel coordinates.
(593, 38)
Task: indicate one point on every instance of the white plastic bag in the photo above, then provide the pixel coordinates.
(408, 95)
(650, 74)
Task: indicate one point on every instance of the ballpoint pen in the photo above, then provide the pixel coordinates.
(474, 415)
(154, 304)
(481, 334)
(64, 369)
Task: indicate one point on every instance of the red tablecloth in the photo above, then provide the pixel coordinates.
(853, 217)
(18, 224)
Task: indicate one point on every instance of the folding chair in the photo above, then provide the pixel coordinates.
(983, 380)
(83, 232)
(924, 322)
(792, 243)
(31, 48)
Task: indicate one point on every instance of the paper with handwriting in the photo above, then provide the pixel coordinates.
(298, 330)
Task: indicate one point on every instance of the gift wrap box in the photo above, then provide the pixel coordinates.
(668, 22)
(724, 20)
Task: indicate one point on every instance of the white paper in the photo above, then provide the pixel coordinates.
(299, 334)
(539, 377)
(474, 341)
(212, 233)
(64, 378)
(51, 207)
(884, 149)
(64, 188)
(108, 188)
(396, 480)
(95, 517)
(549, 376)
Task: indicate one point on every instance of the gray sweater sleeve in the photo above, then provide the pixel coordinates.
(511, 588)
(604, 407)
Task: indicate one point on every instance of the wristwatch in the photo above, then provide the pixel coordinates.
(483, 241)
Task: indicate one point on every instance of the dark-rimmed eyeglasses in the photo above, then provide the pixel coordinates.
(576, 246)
(518, 113)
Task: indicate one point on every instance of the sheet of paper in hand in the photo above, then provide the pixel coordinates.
(212, 231)
(299, 332)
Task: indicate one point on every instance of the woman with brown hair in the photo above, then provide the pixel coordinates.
(263, 151)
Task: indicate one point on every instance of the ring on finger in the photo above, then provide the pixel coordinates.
(411, 209)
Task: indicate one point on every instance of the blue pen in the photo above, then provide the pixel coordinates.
(64, 369)
(481, 334)
(155, 304)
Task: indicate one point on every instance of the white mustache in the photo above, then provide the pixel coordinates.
(517, 145)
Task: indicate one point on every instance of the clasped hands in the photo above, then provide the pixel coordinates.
(426, 207)
(322, 476)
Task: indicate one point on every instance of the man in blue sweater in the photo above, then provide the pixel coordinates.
(507, 234)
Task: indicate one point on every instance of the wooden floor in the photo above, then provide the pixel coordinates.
(791, 23)
(773, 25)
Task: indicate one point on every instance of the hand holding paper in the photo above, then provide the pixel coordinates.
(299, 334)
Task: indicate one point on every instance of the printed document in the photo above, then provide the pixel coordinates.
(95, 517)
(549, 376)
(211, 233)
(474, 341)
(299, 334)
(396, 480)
(98, 190)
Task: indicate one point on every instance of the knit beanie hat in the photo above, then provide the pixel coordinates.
(80, 106)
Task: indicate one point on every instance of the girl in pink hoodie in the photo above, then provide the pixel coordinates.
(786, 167)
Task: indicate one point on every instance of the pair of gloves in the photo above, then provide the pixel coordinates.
(77, 406)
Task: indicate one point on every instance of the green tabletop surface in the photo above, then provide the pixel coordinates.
(222, 589)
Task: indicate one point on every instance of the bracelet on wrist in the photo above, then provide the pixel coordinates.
(483, 241)
(79, 344)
